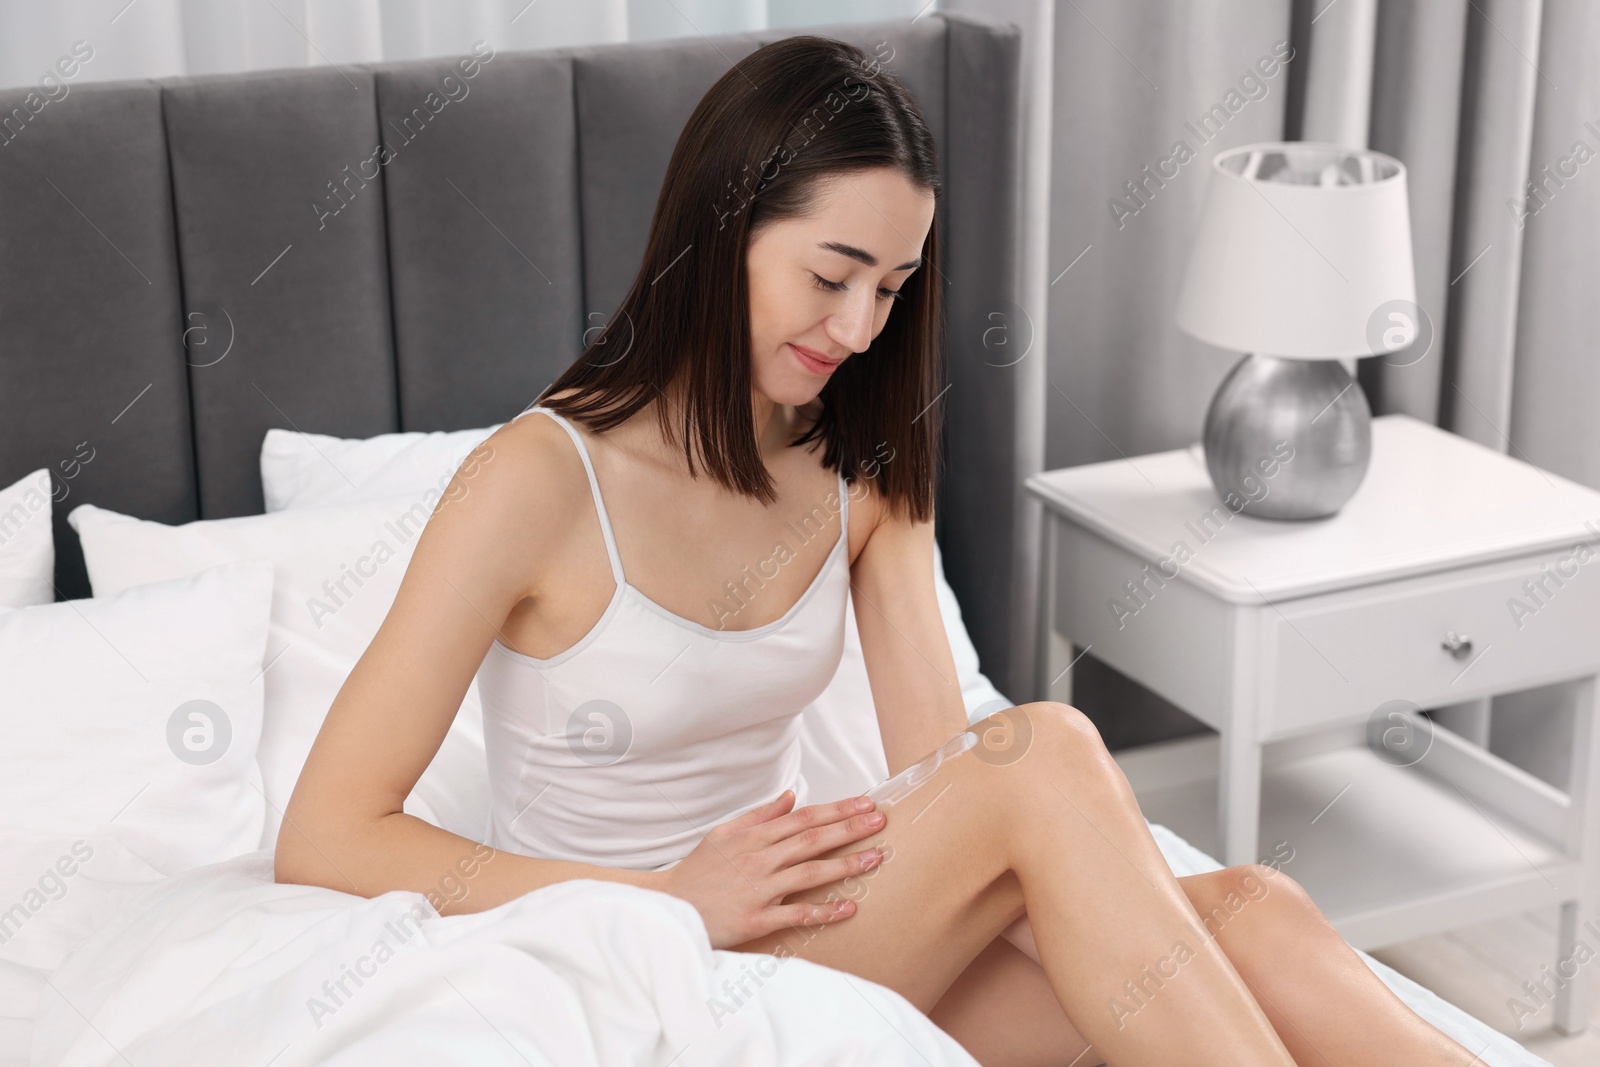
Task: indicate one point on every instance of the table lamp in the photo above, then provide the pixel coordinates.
(1303, 258)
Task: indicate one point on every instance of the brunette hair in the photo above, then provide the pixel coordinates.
(791, 113)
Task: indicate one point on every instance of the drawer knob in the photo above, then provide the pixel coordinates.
(1458, 645)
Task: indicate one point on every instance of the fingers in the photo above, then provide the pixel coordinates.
(813, 873)
(819, 840)
(814, 816)
(763, 812)
(792, 915)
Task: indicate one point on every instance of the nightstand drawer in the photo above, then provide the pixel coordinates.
(1529, 620)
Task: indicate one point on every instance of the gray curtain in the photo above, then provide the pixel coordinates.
(1476, 97)
(1512, 272)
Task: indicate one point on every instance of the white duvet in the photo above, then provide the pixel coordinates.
(221, 965)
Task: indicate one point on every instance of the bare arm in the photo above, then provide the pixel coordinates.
(476, 559)
(909, 665)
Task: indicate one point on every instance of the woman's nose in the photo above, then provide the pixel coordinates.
(853, 326)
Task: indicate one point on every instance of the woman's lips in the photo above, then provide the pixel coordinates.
(812, 363)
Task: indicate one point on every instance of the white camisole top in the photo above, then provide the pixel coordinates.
(626, 748)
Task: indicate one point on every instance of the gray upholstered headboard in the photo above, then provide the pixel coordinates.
(187, 262)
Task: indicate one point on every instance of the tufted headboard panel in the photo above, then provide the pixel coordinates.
(186, 262)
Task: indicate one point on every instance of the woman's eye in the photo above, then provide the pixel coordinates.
(839, 287)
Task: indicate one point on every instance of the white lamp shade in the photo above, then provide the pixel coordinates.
(1304, 251)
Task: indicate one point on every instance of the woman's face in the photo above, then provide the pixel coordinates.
(821, 286)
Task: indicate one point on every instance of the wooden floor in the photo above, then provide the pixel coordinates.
(1480, 969)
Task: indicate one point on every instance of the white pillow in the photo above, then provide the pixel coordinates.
(85, 735)
(842, 746)
(27, 543)
(141, 712)
(311, 469)
(337, 570)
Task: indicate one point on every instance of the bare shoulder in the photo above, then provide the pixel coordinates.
(521, 490)
(536, 463)
(884, 529)
(868, 511)
(880, 532)
(868, 506)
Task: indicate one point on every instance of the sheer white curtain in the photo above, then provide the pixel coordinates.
(158, 38)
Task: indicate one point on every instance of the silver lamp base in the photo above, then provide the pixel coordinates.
(1287, 438)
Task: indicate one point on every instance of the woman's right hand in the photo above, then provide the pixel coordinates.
(738, 875)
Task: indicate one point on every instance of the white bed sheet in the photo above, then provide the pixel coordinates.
(204, 966)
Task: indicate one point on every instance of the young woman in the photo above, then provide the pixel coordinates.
(763, 416)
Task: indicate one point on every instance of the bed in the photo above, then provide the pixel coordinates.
(215, 290)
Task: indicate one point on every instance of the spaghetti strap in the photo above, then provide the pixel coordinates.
(594, 489)
(844, 516)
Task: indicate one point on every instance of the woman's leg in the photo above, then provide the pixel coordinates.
(1003, 1011)
(1048, 827)
(1326, 1004)
(1324, 1001)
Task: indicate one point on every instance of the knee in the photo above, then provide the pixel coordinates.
(1289, 896)
(1266, 891)
(1072, 733)
(1060, 732)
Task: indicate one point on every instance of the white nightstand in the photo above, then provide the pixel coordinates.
(1287, 637)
